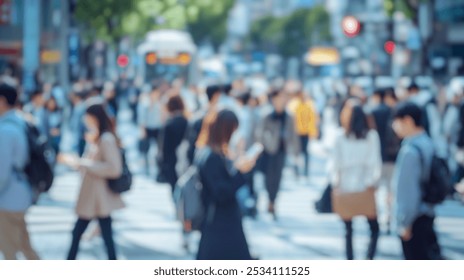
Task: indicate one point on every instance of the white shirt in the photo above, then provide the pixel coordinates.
(150, 114)
(356, 163)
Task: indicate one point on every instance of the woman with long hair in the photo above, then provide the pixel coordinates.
(356, 168)
(101, 161)
(222, 235)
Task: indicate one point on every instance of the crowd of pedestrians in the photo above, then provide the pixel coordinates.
(385, 140)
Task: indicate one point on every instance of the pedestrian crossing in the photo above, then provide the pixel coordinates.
(147, 230)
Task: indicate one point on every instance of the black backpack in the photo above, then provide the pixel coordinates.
(437, 186)
(39, 167)
(124, 182)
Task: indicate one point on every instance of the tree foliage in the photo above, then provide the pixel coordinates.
(293, 34)
(109, 20)
(408, 7)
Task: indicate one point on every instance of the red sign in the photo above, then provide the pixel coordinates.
(389, 47)
(351, 26)
(123, 60)
(9, 51)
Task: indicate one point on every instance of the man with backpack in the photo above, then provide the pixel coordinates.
(420, 184)
(16, 194)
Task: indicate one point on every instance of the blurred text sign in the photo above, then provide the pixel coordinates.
(50, 56)
(319, 56)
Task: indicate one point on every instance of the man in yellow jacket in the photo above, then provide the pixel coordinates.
(306, 119)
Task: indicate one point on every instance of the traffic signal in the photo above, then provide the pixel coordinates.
(123, 60)
(389, 47)
(351, 26)
(151, 58)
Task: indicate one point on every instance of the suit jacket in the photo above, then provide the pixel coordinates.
(269, 131)
(101, 162)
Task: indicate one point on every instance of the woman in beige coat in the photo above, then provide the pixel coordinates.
(101, 161)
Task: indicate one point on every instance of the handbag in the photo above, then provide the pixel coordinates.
(124, 182)
(351, 204)
(324, 204)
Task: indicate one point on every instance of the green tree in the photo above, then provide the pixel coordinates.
(104, 19)
(110, 20)
(293, 34)
(408, 7)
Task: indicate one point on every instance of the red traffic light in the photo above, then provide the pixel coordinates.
(389, 47)
(351, 26)
(123, 60)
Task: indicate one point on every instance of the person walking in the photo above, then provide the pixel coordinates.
(171, 136)
(102, 161)
(277, 134)
(15, 191)
(414, 217)
(54, 121)
(150, 123)
(356, 166)
(306, 124)
(213, 93)
(222, 236)
(382, 114)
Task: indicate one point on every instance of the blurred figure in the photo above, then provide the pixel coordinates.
(133, 98)
(414, 218)
(213, 93)
(306, 124)
(277, 134)
(431, 119)
(77, 121)
(15, 191)
(36, 108)
(382, 114)
(222, 236)
(112, 98)
(242, 141)
(452, 130)
(54, 116)
(356, 168)
(102, 161)
(171, 136)
(150, 123)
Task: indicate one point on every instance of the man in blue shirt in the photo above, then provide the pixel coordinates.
(414, 217)
(15, 192)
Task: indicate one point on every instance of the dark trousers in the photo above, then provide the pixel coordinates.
(274, 168)
(424, 242)
(374, 227)
(169, 172)
(81, 147)
(107, 234)
(152, 136)
(304, 140)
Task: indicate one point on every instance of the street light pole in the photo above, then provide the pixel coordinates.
(31, 43)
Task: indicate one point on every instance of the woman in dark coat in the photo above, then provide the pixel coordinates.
(222, 232)
(171, 137)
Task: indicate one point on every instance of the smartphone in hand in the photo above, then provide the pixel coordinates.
(254, 151)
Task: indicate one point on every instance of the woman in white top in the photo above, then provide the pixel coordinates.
(356, 164)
